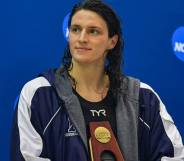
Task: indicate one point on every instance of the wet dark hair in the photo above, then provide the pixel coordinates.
(114, 56)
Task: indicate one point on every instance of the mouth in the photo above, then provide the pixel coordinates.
(82, 49)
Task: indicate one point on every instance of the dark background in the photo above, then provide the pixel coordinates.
(32, 41)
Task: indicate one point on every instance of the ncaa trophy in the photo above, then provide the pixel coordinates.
(103, 144)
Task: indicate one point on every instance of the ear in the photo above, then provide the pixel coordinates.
(112, 42)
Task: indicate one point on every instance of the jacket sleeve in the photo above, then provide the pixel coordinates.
(173, 134)
(165, 142)
(26, 143)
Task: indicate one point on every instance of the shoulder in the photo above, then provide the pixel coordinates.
(147, 92)
(142, 92)
(150, 100)
(148, 96)
(145, 88)
(138, 90)
(36, 83)
(135, 87)
(32, 86)
(132, 82)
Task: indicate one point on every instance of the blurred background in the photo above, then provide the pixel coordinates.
(32, 40)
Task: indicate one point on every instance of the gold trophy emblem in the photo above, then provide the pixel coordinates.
(102, 134)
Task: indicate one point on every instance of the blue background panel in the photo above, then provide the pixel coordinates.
(32, 41)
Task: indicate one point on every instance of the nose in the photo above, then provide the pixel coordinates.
(83, 37)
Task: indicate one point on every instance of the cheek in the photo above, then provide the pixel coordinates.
(102, 46)
(71, 42)
(71, 39)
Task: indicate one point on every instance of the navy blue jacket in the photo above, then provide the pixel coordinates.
(49, 126)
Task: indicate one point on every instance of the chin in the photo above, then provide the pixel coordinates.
(83, 61)
(82, 58)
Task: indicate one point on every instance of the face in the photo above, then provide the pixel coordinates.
(88, 38)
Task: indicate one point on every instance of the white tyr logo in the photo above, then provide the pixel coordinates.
(98, 113)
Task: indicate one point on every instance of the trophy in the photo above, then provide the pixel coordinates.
(103, 144)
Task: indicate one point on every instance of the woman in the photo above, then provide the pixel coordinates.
(55, 109)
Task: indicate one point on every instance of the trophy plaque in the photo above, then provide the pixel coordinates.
(102, 141)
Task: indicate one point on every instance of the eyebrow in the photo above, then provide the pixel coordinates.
(91, 27)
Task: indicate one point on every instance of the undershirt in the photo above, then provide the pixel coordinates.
(103, 110)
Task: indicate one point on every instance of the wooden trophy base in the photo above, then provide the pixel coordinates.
(103, 140)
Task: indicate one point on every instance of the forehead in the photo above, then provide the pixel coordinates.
(89, 18)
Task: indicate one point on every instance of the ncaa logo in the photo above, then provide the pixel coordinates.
(178, 43)
(65, 26)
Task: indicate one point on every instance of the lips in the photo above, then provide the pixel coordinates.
(83, 48)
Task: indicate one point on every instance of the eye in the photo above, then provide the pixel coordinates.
(94, 31)
(75, 29)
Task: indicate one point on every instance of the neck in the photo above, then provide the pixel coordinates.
(90, 78)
